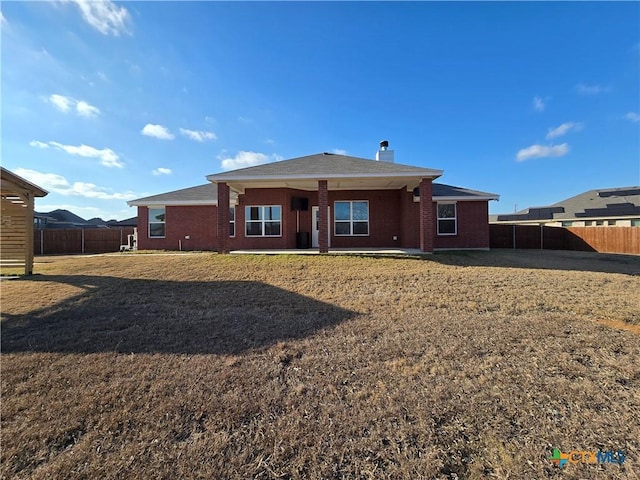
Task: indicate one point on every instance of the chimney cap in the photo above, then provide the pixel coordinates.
(384, 144)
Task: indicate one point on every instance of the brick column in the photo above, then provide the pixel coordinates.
(427, 224)
(223, 218)
(323, 206)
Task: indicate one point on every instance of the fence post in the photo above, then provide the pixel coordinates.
(541, 237)
(514, 236)
(41, 242)
(82, 236)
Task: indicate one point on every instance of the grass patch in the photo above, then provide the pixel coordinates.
(467, 365)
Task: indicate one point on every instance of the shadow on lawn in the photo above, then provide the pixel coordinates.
(152, 316)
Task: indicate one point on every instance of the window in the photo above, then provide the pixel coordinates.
(351, 218)
(635, 222)
(263, 221)
(447, 220)
(157, 222)
(232, 221)
(567, 224)
(600, 223)
(612, 223)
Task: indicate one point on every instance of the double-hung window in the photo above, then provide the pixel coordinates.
(447, 219)
(351, 218)
(232, 221)
(263, 221)
(157, 222)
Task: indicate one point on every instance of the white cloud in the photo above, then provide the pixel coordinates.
(632, 117)
(583, 89)
(105, 16)
(82, 108)
(59, 184)
(339, 151)
(61, 102)
(246, 159)
(107, 157)
(162, 171)
(538, 104)
(3, 20)
(541, 151)
(198, 135)
(103, 76)
(157, 131)
(564, 129)
(86, 110)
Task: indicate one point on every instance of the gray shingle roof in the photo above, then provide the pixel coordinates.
(442, 190)
(202, 194)
(599, 203)
(324, 165)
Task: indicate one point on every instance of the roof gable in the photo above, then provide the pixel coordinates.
(324, 165)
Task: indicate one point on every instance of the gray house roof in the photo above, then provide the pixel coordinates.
(324, 165)
(613, 203)
(206, 194)
(440, 191)
(340, 171)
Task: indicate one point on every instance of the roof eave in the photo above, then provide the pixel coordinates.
(162, 203)
(217, 177)
(466, 198)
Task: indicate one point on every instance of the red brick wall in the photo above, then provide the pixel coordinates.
(384, 219)
(197, 221)
(409, 220)
(473, 227)
(391, 212)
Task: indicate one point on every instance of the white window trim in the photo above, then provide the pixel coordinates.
(454, 218)
(351, 220)
(149, 222)
(235, 225)
(261, 221)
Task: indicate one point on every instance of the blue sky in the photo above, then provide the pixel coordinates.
(103, 102)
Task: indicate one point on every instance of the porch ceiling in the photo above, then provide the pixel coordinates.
(311, 184)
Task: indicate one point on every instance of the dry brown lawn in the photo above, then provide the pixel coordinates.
(468, 365)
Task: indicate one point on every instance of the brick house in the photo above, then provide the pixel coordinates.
(321, 201)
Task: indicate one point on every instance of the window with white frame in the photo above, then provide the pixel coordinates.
(157, 222)
(263, 221)
(351, 218)
(232, 221)
(447, 219)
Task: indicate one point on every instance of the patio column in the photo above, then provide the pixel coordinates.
(223, 218)
(426, 216)
(323, 220)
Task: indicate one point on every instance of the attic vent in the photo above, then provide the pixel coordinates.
(328, 153)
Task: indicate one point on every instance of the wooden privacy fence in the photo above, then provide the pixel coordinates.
(589, 239)
(78, 240)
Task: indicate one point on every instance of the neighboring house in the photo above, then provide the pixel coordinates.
(604, 207)
(321, 201)
(60, 219)
(64, 219)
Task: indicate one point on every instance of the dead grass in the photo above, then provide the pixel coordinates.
(205, 366)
